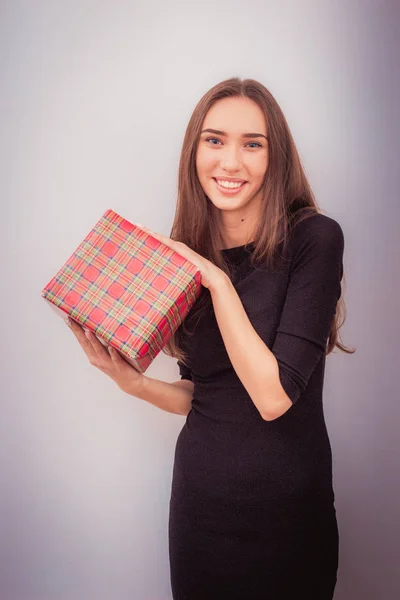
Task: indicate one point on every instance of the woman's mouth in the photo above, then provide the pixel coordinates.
(231, 190)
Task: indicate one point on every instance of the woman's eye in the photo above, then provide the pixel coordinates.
(217, 140)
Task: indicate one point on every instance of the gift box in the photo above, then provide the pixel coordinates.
(128, 288)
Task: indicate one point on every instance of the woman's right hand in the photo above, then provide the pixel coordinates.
(127, 378)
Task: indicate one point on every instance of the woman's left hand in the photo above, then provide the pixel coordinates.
(210, 273)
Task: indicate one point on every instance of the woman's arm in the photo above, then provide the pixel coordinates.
(173, 397)
(274, 378)
(254, 363)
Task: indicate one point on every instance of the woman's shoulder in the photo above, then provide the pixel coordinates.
(317, 227)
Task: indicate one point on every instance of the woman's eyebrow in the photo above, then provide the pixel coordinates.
(245, 135)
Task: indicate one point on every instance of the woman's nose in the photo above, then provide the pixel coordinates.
(231, 159)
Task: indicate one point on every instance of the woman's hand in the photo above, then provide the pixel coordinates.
(111, 363)
(210, 273)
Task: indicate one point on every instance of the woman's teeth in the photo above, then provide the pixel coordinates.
(229, 184)
(229, 188)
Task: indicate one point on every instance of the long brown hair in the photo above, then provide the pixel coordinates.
(287, 198)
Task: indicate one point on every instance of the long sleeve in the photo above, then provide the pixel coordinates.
(310, 304)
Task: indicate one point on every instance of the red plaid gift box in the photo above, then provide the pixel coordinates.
(128, 288)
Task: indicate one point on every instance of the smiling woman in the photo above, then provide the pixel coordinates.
(252, 512)
(232, 166)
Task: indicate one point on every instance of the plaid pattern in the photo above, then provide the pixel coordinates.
(128, 288)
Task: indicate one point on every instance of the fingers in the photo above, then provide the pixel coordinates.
(98, 347)
(179, 247)
(162, 238)
(115, 356)
(93, 349)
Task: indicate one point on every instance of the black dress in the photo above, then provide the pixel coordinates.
(252, 513)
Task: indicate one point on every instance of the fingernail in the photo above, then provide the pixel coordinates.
(68, 322)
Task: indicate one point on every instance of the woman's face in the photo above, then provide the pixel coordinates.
(233, 154)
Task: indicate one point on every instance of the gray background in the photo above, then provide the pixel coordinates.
(95, 99)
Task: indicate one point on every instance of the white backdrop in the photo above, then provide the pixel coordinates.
(95, 98)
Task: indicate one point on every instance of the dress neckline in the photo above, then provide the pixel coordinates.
(238, 255)
(236, 249)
